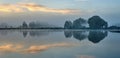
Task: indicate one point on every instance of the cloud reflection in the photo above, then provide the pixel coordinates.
(85, 56)
(34, 49)
(12, 48)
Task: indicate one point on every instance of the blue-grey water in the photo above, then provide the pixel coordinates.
(59, 44)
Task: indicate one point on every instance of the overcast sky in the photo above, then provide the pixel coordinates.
(58, 11)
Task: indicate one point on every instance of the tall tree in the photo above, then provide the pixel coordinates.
(24, 25)
(97, 22)
(68, 25)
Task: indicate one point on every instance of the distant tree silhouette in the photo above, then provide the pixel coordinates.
(79, 23)
(97, 22)
(68, 25)
(32, 24)
(24, 25)
(4, 25)
(114, 27)
(41, 25)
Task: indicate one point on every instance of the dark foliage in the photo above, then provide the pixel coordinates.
(68, 25)
(24, 25)
(79, 23)
(97, 22)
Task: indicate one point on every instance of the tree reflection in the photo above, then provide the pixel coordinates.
(38, 33)
(94, 36)
(3, 32)
(80, 35)
(97, 36)
(68, 34)
(34, 33)
(25, 33)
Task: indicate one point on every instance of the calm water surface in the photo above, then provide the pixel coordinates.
(59, 44)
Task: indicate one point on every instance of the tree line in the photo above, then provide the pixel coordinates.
(95, 22)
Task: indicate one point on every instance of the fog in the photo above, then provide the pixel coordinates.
(55, 19)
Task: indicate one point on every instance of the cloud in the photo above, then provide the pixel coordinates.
(31, 7)
(10, 8)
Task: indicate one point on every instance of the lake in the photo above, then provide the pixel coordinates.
(59, 44)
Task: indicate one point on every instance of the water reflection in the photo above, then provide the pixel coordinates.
(93, 36)
(59, 44)
(68, 34)
(4, 32)
(25, 33)
(38, 33)
(115, 31)
(80, 35)
(97, 36)
(17, 48)
(34, 33)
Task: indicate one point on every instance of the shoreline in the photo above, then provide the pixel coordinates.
(55, 29)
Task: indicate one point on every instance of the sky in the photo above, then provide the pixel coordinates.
(58, 11)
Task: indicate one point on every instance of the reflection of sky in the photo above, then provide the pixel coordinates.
(55, 45)
(6, 48)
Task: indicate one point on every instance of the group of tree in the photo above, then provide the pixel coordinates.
(94, 22)
(35, 25)
(5, 25)
(78, 23)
